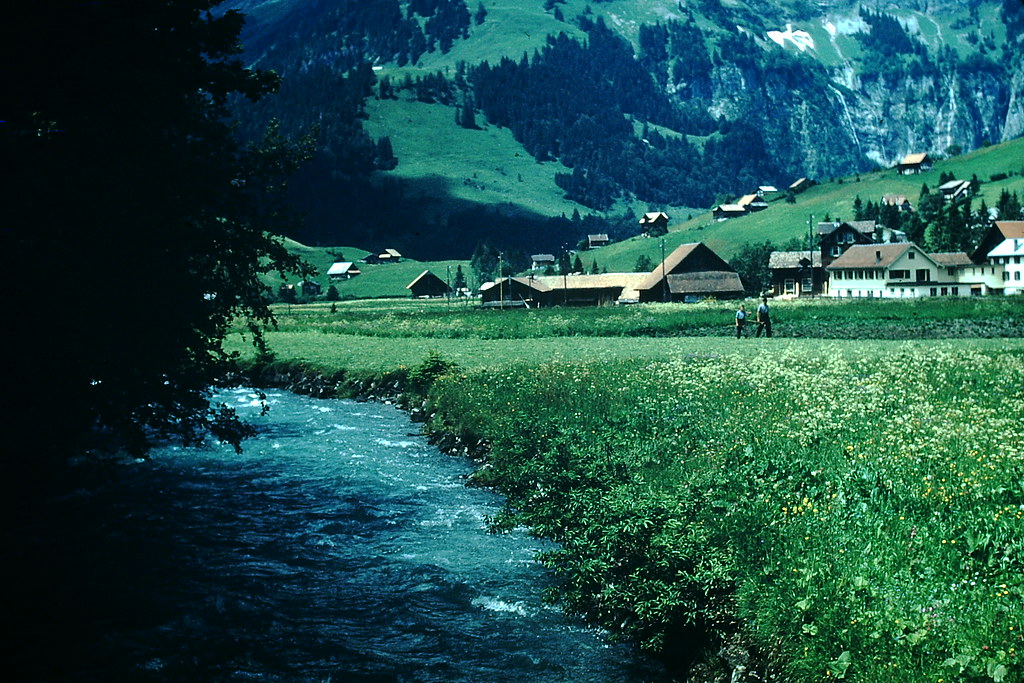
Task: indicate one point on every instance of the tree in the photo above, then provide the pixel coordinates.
(752, 265)
(130, 179)
(643, 264)
(460, 279)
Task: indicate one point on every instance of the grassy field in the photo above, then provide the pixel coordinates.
(827, 508)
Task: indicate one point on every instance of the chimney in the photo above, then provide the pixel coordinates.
(878, 255)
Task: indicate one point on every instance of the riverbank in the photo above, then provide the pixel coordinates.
(791, 510)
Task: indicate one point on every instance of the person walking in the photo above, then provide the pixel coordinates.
(741, 321)
(763, 318)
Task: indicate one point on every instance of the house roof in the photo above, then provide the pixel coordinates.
(768, 188)
(597, 281)
(340, 268)
(871, 255)
(895, 199)
(393, 253)
(914, 159)
(779, 260)
(1011, 229)
(542, 258)
(747, 200)
(952, 185)
(1010, 247)
(731, 208)
(948, 259)
(598, 236)
(863, 227)
(797, 183)
(426, 277)
(653, 216)
(707, 282)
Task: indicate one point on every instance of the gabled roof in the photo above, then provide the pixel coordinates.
(914, 159)
(797, 183)
(393, 253)
(341, 267)
(952, 185)
(1000, 230)
(653, 217)
(1011, 229)
(533, 283)
(871, 255)
(779, 260)
(543, 258)
(863, 227)
(707, 282)
(747, 200)
(426, 277)
(949, 259)
(1010, 247)
(731, 208)
(768, 188)
(677, 258)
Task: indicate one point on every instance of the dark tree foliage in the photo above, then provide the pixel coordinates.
(752, 265)
(135, 227)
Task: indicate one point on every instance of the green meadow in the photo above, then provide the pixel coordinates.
(845, 506)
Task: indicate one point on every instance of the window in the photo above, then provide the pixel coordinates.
(950, 271)
(956, 291)
(899, 274)
(911, 255)
(934, 291)
(1006, 277)
(807, 285)
(789, 287)
(945, 291)
(923, 275)
(835, 251)
(1016, 276)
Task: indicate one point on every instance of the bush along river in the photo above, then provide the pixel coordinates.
(340, 546)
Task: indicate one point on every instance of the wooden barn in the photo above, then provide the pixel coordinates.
(427, 285)
(690, 273)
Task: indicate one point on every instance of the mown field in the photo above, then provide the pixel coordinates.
(813, 507)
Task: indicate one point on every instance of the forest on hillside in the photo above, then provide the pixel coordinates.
(636, 127)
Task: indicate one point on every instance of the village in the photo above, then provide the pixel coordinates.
(844, 259)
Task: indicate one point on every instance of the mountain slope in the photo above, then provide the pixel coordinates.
(615, 106)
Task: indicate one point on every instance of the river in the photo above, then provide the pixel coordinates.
(340, 546)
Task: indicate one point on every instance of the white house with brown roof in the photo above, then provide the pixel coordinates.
(955, 189)
(1009, 256)
(899, 270)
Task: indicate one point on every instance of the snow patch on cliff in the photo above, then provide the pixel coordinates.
(799, 38)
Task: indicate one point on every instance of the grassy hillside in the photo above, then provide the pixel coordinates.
(781, 222)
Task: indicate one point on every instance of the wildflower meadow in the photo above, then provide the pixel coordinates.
(826, 513)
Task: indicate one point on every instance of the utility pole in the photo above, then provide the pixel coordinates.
(810, 250)
(664, 278)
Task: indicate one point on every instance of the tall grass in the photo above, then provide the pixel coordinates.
(832, 514)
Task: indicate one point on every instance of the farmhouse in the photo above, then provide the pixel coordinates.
(914, 163)
(838, 236)
(343, 270)
(428, 285)
(385, 256)
(654, 221)
(955, 189)
(690, 273)
(1006, 254)
(898, 270)
(598, 240)
(899, 201)
(542, 261)
(799, 185)
(725, 211)
(593, 290)
(797, 273)
(515, 292)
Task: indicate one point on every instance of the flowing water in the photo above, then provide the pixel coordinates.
(339, 546)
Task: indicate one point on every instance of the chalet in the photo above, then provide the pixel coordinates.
(386, 256)
(955, 189)
(838, 236)
(343, 270)
(690, 273)
(1003, 247)
(427, 285)
(656, 221)
(595, 241)
(752, 202)
(799, 185)
(726, 211)
(896, 270)
(515, 292)
(913, 164)
(797, 273)
(899, 201)
(593, 290)
(542, 261)
(310, 288)
(766, 190)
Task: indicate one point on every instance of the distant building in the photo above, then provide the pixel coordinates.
(799, 185)
(955, 189)
(752, 202)
(385, 256)
(598, 240)
(914, 163)
(428, 285)
(690, 273)
(654, 221)
(726, 211)
(797, 273)
(343, 270)
(898, 200)
(542, 261)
